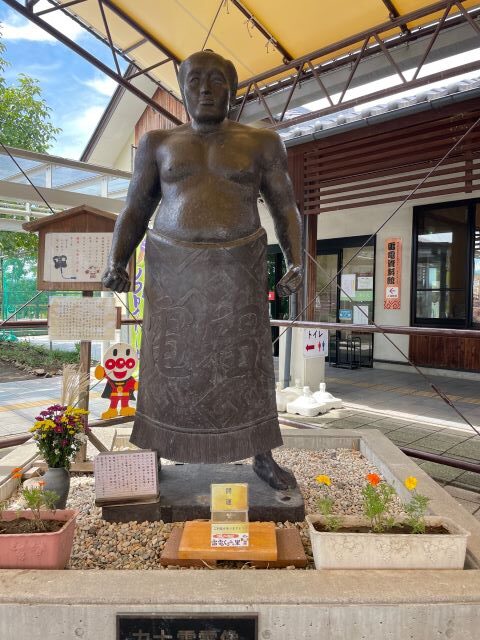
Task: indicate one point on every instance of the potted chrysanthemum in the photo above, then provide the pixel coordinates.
(59, 432)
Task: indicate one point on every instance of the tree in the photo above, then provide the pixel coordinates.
(24, 114)
(24, 124)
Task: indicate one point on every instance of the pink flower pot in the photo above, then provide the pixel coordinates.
(38, 550)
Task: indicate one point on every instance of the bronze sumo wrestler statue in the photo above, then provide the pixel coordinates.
(207, 391)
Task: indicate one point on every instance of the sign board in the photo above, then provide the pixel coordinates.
(360, 314)
(186, 626)
(81, 257)
(315, 343)
(348, 286)
(393, 273)
(81, 318)
(229, 524)
(365, 282)
(125, 476)
(271, 296)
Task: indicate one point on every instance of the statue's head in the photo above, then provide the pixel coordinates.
(208, 84)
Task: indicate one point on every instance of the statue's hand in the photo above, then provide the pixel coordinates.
(290, 282)
(116, 278)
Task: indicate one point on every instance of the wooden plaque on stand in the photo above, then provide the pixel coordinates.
(73, 249)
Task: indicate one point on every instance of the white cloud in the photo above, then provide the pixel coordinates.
(76, 132)
(104, 85)
(15, 27)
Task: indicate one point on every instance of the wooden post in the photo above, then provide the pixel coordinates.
(84, 399)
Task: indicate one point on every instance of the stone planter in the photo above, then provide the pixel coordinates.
(38, 550)
(353, 550)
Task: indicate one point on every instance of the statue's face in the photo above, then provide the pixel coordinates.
(206, 91)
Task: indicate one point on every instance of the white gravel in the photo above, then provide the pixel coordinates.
(103, 545)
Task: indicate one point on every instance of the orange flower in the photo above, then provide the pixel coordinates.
(373, 479)
(16, 475)
(17, 470)
(41, 483)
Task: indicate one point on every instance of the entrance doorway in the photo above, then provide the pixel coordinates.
(345, 293)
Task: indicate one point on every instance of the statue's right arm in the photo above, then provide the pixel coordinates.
(143, 196)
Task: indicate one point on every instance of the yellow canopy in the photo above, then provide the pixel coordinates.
(257, 35)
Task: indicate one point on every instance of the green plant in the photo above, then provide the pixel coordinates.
(325, 505)
(377, 499)
(37, 499)
(416, 508)
(59, 433)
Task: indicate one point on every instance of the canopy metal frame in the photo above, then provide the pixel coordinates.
(374, 41)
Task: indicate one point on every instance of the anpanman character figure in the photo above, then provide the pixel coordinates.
(119, 362)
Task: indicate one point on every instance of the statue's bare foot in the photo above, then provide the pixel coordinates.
(268, 470)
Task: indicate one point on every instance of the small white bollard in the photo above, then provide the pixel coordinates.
(323, 396)
(306, 405)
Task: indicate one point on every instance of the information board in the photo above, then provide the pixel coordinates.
(81, 318)
(81, 257)
(125, 476)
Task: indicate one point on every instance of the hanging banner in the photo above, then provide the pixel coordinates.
(135, 298)
(393, 273)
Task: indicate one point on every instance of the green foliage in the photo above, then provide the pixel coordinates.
(24, 124)
(376, 503)
(12, 243)
(325, 506)
(416, 510)
(24, 114)
(36, 356)
(36, 499)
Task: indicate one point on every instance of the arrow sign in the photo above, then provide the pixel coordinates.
(317, 348)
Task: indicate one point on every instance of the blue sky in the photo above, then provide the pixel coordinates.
(75, 90)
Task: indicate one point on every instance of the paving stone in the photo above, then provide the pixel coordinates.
(436, 442)
(440, 472)
(469, 449)
(469, 480)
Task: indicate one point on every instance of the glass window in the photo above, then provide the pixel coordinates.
(442, 269)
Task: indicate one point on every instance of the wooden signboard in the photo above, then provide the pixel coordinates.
(73, 249)
(81, 319)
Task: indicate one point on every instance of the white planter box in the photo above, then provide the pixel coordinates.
(334, 550)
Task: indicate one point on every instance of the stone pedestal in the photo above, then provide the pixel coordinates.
(185, 495)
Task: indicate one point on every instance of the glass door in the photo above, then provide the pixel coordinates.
(356, 299)
(346, 297)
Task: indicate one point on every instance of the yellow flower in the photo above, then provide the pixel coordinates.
(323, 480)
(410, 483)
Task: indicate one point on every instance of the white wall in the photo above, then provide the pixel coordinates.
(124, 159)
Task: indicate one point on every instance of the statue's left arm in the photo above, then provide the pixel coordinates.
(277, 191)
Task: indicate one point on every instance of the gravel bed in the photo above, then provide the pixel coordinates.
(103, 545)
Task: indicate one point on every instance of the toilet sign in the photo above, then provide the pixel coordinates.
(315, 343)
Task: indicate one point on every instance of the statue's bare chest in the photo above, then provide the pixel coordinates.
(222, 157)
